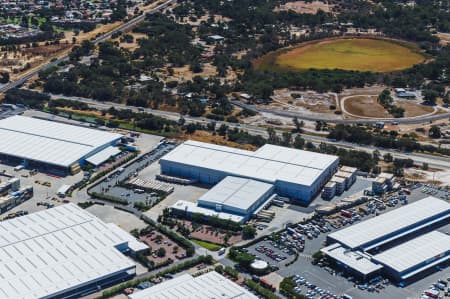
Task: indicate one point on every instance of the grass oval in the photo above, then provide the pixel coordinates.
(356, 54)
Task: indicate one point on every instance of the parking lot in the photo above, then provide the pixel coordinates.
(310, 237)
(44, 186)
(272, 253)
(110, 185)
(7, 111)
(156, 240)
(109, 214)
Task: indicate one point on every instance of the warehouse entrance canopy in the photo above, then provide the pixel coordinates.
(102, 156)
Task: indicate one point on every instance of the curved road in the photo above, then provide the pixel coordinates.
(344, 99)
(96, 41)
(412, 120)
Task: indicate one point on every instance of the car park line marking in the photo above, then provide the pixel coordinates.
(306, 256)
(320, 279)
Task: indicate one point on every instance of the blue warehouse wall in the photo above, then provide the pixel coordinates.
(301, 193)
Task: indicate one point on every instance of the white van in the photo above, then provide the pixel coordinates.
(18, 167)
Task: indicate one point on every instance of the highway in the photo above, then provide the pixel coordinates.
(103, 37)
(433, 161)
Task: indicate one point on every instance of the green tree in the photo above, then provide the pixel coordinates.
(248, 232)
(4, 77)
(388, 157)
(430, 96)
(286, 139)
(161, 252)
(298, 125)
(299, 142)
(384, 98)
(435, 132)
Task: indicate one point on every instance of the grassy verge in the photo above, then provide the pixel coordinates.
(207, 245)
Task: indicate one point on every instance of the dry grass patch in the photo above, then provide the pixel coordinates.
(365, 106)
(304, 7)
(215, 139)
(413, 109)
(359, 54)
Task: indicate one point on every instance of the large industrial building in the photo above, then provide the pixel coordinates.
(398, 243)
(390, 226)
(233, 198)
(206, 286)
(62, 252)
(412, 257)
(54, 147)
(297, 174)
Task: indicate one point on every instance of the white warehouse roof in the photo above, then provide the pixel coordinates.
(47, 253)
(429, 247)
(404, 218)
(103, 155)
(49, 142)
(270, 163)
(206, 286)
(236, 192)
(355, 260)
(190, 207)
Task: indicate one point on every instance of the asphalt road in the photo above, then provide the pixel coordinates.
(103, 37)
(410, 120)
(433, 161)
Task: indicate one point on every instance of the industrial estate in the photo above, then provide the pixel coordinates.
(302, 211)
(224, 149)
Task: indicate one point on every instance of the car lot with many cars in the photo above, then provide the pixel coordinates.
(308, 237)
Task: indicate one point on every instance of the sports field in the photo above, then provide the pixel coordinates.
(359, 54)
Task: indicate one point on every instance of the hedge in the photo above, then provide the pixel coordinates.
(114, 167)
(109, 198)
(142, 258)
(263, 292)
(287, 288)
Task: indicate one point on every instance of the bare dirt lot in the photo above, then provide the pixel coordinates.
(305, 7)
(413, 109)
(215, 139)
(184, 73)
(134, 45)
(211, 234)
(444, 38)
(365, 106)
(311, 101)
(18, 63)
(155, 241)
